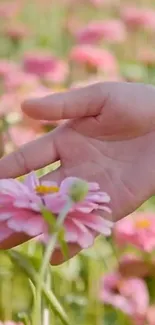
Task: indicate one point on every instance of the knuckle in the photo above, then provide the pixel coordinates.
(21, 161)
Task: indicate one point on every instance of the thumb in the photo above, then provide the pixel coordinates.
(75, 103)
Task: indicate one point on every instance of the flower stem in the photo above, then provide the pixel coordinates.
(28, 268)
(47, 256)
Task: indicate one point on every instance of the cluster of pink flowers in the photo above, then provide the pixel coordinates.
(138, 17)
(137, 230)
(126, 289)
(93, 57)
(108, 30)
(21, 207)
(130, 295)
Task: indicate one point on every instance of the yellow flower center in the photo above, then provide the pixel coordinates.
(43, 189)
(143, 224)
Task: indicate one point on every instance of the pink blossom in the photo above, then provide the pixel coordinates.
(19, 80)
(44, 64)
(95, 57)
(22, 203)
(58, 74)
(130, 295)
(151, 315)
(6, 67)
(139, 17)
(9, 9)
(138, 230)
(147, 57)
(108, 30)
(16, 32)
(21, 135)
(7, 103)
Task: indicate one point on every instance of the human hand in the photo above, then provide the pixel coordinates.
(109, 138)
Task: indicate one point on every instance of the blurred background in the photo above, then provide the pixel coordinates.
(48, 46)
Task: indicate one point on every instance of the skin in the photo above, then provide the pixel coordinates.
(109, 138)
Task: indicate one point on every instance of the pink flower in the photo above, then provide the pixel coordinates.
(45, 65)
(138, 230)
(16, 32)
(100, 59)
(147, 57)
(7, 103)
(139, 17)
(151, 315)
(21, 205)
(58, 74)
(9, 9)
(19, 80)
(108, 30)
(21, 135)
(6, 67)
(130, 295)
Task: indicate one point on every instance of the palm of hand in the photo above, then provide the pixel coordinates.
(117, 162)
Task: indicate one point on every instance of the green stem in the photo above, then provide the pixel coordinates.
(28, 268)
(47, 256)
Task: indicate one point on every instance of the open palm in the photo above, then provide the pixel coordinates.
(109, 138)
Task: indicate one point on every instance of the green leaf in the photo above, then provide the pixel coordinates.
(22, 296)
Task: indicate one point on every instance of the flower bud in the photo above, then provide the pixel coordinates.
(78, 190)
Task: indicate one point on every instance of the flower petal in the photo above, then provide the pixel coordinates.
(5, 232)
(84, 236)
(31, 181)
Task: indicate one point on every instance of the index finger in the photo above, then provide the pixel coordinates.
(31, 156)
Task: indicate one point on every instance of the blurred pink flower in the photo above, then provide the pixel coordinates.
(151, 315)
(8, 102)
(130, 295)
(45, 65)
(147, 56)
(16, 32)
(6, 67)
(21, 135)
(19, 80)
(99, 2)
(101, 59)
(9, 9)
(138, 230)
(139, 17)
(108, 30)
(58, 74)
(21, 205)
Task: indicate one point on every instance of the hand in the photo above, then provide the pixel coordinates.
(109, 138)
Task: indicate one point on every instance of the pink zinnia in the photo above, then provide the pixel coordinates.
(9, 9)
(101, 59)
(6, 67)
(108, 30)
(147, 56)
(19, 80)
(138, 230)
(130, 295)
(16, 32)
(45, 65)
(21, 205)
(139, 17)
(20, 135)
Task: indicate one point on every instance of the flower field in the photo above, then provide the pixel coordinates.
(46, 47)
